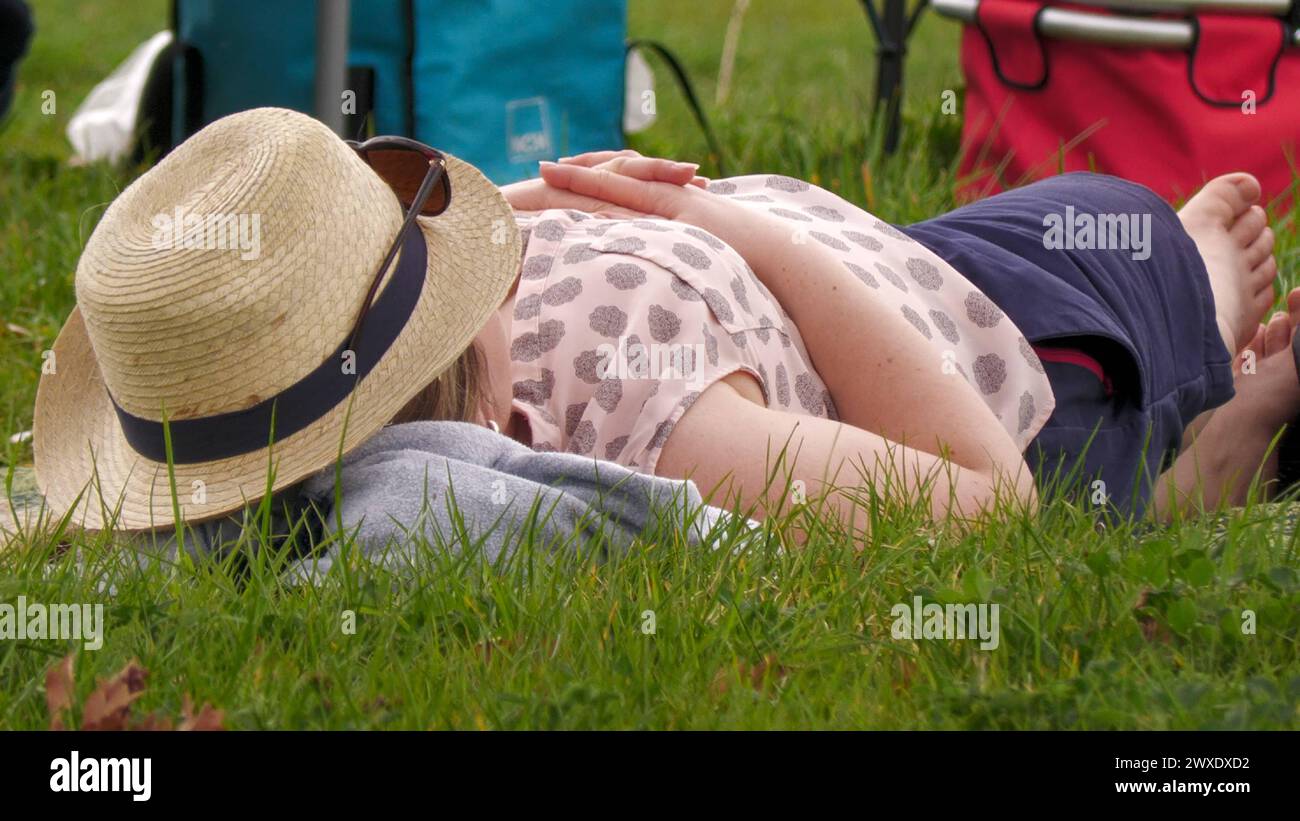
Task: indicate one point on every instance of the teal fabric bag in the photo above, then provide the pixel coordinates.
(506, 83)
(499, 83)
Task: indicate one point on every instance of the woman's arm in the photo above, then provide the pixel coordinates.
(882, 377)
(739, 451)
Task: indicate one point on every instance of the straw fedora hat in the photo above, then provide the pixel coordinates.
(182, 349)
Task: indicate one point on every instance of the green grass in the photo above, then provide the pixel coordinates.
(1101, 628)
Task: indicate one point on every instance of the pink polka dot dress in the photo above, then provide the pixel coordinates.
(620, 324)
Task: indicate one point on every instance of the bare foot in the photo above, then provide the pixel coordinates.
(1268, 394)
(1237, 444)
(1231, 232)
(1272, 392)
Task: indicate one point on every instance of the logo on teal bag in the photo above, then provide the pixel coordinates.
(528, 130)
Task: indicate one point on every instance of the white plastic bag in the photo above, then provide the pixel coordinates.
(103, 127)
(638, 94)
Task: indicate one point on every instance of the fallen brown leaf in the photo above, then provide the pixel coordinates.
(59, 688)
(207, 718)
(108, 707)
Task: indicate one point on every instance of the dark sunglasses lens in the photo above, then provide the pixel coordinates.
(404, 170)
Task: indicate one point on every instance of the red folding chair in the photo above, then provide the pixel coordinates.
(1168, 93)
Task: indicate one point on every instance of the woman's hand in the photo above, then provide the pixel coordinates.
(538, 195)
(630, 163)
(651, 186)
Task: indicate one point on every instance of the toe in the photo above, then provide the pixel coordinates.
(1265, 274)
(1246, 187)
(1261, 249)
(1223, 199)
(1293, 305)
(1277, 334)
(1262, 301)
(1249, 226)
(1240, 190)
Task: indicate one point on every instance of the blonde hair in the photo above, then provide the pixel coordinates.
(457, 394)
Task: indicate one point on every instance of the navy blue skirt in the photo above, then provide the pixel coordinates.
(1144, 310)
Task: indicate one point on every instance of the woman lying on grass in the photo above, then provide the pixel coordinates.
(973, 345)
(758, 327)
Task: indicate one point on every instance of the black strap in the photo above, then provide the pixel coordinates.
(225, 435)
(153, 119)
(187, 64)
(684, 82)
(361, 82)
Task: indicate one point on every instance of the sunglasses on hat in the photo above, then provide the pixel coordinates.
(417, 174)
